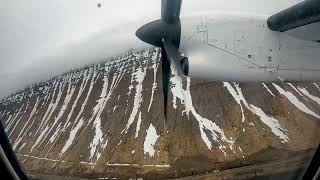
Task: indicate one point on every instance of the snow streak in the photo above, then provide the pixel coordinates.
(98, 109)
(138, 125)
(271, 122)
(105, 95)
(72, 135)
(216, 134)
(52, 106)
(65, 104)
(81, 89)
(266, 87)
(59, 132)
(31, 117)
(305, 92)
(295, 101)
(317, 86)
(55, 105)
(70, 140)
(23, 130)
(40, 137)
(138, 77)
(154, 84)
(238, 97)
(12, 120)
(295, 89)
(97, 139)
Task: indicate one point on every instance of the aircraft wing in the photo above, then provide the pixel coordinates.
(301, 20)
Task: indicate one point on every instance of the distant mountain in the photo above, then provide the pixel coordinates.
(107, 120)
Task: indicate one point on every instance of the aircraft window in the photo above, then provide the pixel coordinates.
(129, 90)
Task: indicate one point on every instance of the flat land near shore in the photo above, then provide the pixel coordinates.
(292, 168)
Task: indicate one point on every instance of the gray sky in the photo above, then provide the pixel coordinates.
(42, 38)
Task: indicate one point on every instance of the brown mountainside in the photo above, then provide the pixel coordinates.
(107, 121)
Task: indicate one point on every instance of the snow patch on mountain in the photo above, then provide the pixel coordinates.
(97, 139)
(150, 141)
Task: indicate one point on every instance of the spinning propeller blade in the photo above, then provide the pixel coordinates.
(165, 33)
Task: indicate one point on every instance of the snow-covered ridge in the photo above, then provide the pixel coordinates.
(62, 94)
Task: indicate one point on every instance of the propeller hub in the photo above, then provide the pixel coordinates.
(153, 33)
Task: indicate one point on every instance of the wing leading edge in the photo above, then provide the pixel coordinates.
(301, 20)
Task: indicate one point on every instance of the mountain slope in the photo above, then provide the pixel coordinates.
(107, 120)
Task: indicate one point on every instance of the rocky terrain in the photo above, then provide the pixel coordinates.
(106, 121)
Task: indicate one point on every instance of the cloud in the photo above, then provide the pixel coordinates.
(98, 47)
(43, 38)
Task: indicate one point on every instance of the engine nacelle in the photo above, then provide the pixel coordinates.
(184, 66)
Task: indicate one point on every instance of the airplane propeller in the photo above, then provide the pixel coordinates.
(165, 33)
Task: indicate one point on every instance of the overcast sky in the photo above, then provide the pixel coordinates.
(42, 38)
